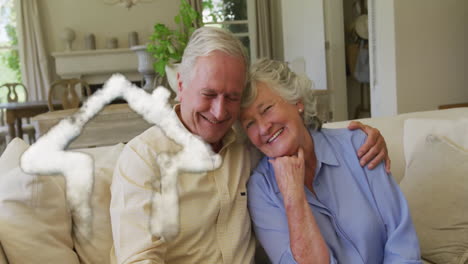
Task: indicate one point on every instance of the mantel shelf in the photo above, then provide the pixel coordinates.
(75, 53)
(96, 66)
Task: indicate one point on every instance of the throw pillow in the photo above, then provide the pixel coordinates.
(35, 223)
(436, 187)
(10, 157)
(416, 130)
(96, 248)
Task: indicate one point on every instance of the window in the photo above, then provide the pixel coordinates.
(237, 16)
(9, 57)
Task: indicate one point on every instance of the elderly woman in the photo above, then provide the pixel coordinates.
(309, 199)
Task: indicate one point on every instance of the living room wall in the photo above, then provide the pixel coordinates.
(431, 53)
(104, 21)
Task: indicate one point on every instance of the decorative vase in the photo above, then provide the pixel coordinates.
(145, 66)
(132, 39)
(90, 42)
(112, 43)
(68, 36)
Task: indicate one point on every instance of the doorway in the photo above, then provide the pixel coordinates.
(356, 35)
(347, 46)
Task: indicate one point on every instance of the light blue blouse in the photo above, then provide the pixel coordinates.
(361, 213)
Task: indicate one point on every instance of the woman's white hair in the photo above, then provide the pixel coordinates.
(287, 84)
(206, 40)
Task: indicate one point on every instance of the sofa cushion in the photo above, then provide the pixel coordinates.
(436, 187)
(10, 157)
(96, 248)
(35, 223)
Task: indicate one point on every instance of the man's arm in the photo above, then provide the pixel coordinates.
(130, 211)
(374, 150)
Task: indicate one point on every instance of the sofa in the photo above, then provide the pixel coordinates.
(429, 153)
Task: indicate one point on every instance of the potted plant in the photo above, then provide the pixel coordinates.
(166, 45)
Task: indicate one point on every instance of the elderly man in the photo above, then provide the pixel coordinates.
(214, 223)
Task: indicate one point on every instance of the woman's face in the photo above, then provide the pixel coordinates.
(272, 124)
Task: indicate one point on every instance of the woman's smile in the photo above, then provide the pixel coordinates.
(275, 136)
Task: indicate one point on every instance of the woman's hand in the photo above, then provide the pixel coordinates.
(374, 150)
(289, 173)
(306, 241)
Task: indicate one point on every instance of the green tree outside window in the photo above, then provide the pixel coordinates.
(9, 58)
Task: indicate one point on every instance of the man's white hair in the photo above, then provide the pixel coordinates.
(206, 40)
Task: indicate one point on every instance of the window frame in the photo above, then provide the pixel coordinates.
(251, 23)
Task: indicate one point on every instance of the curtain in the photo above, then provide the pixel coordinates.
(197, 5)
(33, 57)
(264, 29)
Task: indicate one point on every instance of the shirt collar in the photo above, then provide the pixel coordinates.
(323, 150)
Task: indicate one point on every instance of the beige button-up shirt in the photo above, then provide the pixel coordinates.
(214, 220)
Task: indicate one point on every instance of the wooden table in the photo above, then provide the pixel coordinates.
(453, 106)
(16, 111)
(115, 123)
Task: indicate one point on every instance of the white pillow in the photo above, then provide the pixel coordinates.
(35, 223)
(10, 157)
(416, 130)
(436, 187)
(96, 249)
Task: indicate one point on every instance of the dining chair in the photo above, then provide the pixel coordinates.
(69, 92)
(3, 133)
(14, 93)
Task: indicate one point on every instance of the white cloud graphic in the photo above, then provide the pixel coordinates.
(48, 155)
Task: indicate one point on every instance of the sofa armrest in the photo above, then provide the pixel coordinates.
(3, 259)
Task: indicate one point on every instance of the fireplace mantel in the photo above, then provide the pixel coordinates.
(96, 66)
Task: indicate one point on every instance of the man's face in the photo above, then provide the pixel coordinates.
(210, 97)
